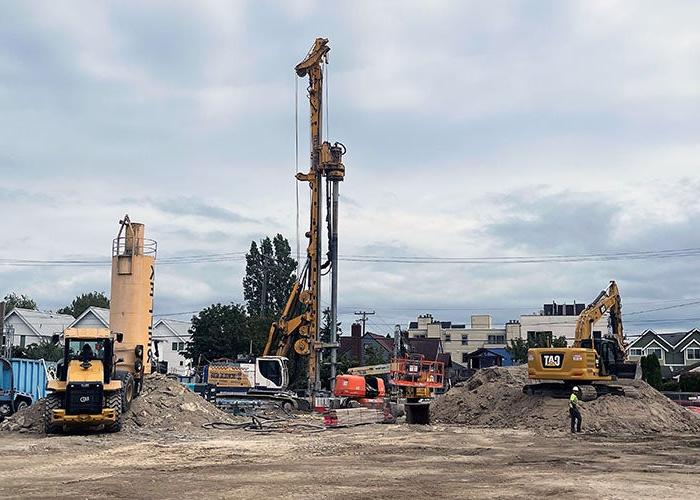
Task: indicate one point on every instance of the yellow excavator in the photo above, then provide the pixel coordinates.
(592, 363)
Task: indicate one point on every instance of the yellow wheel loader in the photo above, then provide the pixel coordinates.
(88, 390)
(593, 363)
(101, 370)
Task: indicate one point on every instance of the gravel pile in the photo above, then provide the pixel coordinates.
(493, 397)
(164, 407)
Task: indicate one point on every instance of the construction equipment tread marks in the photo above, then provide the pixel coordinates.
(52, 402)
(114, 402)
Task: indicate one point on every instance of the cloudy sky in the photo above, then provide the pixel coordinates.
(474, 129)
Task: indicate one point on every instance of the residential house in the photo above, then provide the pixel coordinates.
(170, 338)
(92, 317)
(24, 327)
(484, 358)
(356, 346)
(458, 340)
(675, 351)
(557, 320)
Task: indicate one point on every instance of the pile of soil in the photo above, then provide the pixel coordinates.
(163, 407)
(493, 397)
(166, 406)
(27, 420)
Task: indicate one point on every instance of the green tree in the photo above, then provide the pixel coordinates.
(45, 350)
(518, 350)
(83, 301)
(223, 331)
(559, 342)
(269, 275)
(651, 370)
(13, 300)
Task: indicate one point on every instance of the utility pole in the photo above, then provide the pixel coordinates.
(364, 315)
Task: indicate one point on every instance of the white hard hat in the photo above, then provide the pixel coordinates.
(575, 388)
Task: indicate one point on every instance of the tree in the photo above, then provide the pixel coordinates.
(269, 275)
(223, 331)
(13, 300)
(82, 302)
(518, 347)
(518, 350)
(651, 370)
(45, 350)
(559, 342)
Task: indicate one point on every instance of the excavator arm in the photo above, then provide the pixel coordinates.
(607, 301)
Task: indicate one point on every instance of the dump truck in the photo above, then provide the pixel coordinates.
(22, 383)
(103, 369)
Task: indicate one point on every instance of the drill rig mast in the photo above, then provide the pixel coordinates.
(299, 324)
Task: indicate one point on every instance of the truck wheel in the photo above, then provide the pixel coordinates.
(21, 406)
(52, 402)
(114, 402)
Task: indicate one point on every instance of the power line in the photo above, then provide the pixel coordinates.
(239, 256)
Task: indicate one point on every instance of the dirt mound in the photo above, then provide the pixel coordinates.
(163, 407)
(493, 397)
(29, 419)
(166, 406)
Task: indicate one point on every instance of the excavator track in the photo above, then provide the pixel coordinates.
(589, 392)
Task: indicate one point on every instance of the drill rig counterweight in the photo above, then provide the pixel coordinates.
(297, 330)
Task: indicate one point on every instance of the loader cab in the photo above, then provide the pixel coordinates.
(91, 348)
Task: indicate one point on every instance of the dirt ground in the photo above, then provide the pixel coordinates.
(378, 461)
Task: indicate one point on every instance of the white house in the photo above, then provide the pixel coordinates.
(92, 317)
(28, 326)
(171, 337)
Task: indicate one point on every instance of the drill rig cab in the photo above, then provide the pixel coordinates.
(593, 361)
(86, 391)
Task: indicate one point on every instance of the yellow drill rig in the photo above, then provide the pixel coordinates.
(592, 362)
(297, 330)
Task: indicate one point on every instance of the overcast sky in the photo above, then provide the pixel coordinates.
(473, 129)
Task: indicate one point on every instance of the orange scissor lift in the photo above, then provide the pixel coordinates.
(416, 379)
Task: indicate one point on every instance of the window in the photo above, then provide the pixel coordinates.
(86, 349)
(181, 363)
(174, 346)
(22, 340)
(654, 350)
(448, 337)
(497, 339)
(465, 339)
(465, 357)
(178, 346)
(636, 352)
(693, 353)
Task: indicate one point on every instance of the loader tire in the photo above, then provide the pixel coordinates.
(114, 402)
(128, 389)
(52, 402)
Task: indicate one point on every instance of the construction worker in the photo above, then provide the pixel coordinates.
(574, 411)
